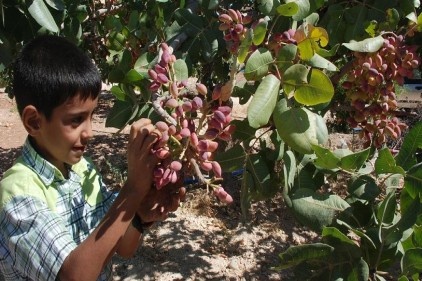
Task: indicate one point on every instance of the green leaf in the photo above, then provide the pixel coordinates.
(321, 62)
(412, 141)
(213, 4)
(181, 70)
(142, 63)
(295, 255)
(116, 41)
(263, 102)
(296, 126)
(318, 90)
(42, 15)
(408, 219)
(231, 160)
(413, 180)
(317, 210)
(364, 187)
(368, 45)
(321, 129)
(342, 244)
(245, 46)
(268, 7)
(209, 44)
(417, 236)
(289, 170)
(258, 64)
(412, 261)
(192, 22)
(116, 75)
(387, 209)
(363, 235)
(355, 161)
(360, 271)
(325, 158)
(120, 114)
(133, 76)
(258, 179)
(58, 5)
(288, 9)
(294, 76)
(285, 57)
(259, 32)
(304, 9)
(306, 50)
(243, 130)
(118, 93)
(335, 237)
(385, 163)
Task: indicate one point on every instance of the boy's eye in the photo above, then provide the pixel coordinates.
(77, 120)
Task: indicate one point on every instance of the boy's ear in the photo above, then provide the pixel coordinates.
(31, 120)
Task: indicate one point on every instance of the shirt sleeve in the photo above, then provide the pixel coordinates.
(36, 238)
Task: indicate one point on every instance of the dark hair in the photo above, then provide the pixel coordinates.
(49, 70)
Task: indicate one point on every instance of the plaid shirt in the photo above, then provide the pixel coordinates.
(43, 216)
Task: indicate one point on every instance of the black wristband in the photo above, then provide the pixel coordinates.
(139, 225)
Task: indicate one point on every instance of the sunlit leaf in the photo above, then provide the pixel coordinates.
(263, 102)
(259, 32)
(318, 61)
(325, 158)
(321, 129)
(296, 126)
(118, 93)
(295, 255)
(319, 35)
(412, 141)
(387, 209)
(355, 160)
(367, 46)
(258, 64)
(304, 9)
(294, 76)
(385, 163)
(181, 70)
(42, 15)
(318, 90)
(288, 9)
(306, 49)
(317, 210)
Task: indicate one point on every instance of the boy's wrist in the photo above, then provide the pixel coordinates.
(139, 225)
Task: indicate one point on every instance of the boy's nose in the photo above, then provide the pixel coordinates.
(87, 132)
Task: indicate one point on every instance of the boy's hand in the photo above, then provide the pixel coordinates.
(141, 161)
(159, 203)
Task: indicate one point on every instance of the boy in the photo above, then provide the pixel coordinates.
(57, 219)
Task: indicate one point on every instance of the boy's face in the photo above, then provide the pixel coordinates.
(63, 138)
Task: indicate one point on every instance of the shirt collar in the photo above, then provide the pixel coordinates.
(45, 170)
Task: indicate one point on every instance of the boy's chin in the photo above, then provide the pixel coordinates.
(75, 159)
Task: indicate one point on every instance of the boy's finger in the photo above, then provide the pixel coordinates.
(136, 128)
(153, 136)
(142, 136)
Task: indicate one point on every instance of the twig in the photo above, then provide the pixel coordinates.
(156, 104)
(198, 172)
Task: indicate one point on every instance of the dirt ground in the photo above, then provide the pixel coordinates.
(202, 240)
